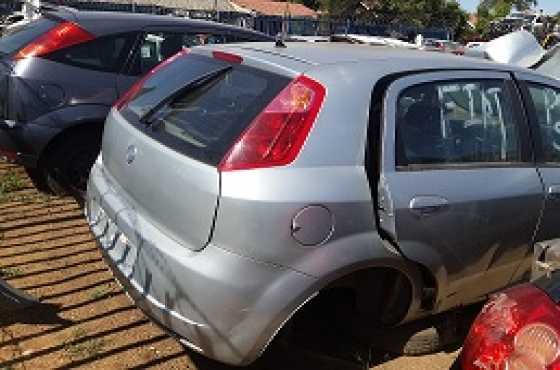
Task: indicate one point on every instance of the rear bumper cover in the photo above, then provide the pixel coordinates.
(225, 306)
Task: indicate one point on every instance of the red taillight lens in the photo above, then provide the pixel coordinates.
(517, 329)
(277, 134)
(135, 89)
(62, 36)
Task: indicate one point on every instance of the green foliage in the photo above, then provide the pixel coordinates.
(11, 181)
(10, 272)
(76, 346)
(490, 10)
(519, 4)
(420, 13)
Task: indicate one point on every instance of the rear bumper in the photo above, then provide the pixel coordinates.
(223, 305)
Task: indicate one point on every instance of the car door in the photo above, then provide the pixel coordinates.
(542, 96)
(458, 191)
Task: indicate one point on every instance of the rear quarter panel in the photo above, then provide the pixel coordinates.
(257, 207)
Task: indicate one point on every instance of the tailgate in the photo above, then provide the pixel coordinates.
(164, 145)
(177, 194)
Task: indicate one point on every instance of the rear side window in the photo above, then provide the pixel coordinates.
(158, 46)
(204, 116)
(460, 122)
(106, 54)
(546, 102)
(17, 38)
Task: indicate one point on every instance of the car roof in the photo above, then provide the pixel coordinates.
(102, 22)
(315, 55)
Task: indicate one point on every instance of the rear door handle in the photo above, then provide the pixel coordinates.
(428, 205)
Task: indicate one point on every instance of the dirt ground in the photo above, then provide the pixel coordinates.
(86, 321)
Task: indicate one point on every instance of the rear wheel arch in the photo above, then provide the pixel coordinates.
(346, 289)
(90, 126)
(80, 140)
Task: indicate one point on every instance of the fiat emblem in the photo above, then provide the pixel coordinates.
(131, 152)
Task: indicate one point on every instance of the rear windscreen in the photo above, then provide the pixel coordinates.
(199, 106)
(18, 37)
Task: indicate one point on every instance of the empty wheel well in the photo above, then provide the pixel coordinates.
(95, 129)
(362, 301)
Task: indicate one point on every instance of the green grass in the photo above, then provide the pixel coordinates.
(8, 272)
(10, 182)
(83, 349)
(101, 291)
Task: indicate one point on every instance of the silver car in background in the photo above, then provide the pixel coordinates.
(241, 185)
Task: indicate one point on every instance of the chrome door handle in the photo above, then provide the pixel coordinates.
(428, 205)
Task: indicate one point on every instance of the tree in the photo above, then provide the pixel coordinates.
(519, 4)
(419, 13)
(490, 10)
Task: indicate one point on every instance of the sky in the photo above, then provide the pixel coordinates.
(549, 6)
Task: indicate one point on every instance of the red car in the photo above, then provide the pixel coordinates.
(517, 329)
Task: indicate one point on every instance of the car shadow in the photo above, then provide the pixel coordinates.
(38, 313)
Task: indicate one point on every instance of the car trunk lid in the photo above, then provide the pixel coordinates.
(165, 138)
(178, 194)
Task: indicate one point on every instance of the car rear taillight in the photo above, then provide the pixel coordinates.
(135, 89)
(65, 34)
(277, 134)
(518, 329)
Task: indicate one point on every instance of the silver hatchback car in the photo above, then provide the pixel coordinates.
(239, 185)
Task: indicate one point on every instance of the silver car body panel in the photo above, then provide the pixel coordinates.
(180, 195)
(215, 260)
(222, 304)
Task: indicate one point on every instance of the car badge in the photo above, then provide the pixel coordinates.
(131, 152)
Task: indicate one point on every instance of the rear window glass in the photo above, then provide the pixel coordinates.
(204, 120)
(106, 54)
(17, 38)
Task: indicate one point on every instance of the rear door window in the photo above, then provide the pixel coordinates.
(457, 122)
(156, 47)
(106, 54)
(546, 102)
(203, 116)
(17, 38)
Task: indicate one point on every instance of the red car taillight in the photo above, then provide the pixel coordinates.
(63, 35)
(135, 89)
(518, 329)
(277, 134)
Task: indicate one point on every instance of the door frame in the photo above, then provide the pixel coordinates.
(523, 80)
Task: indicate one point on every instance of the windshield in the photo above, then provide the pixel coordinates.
(16, 38)
(551, 65)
